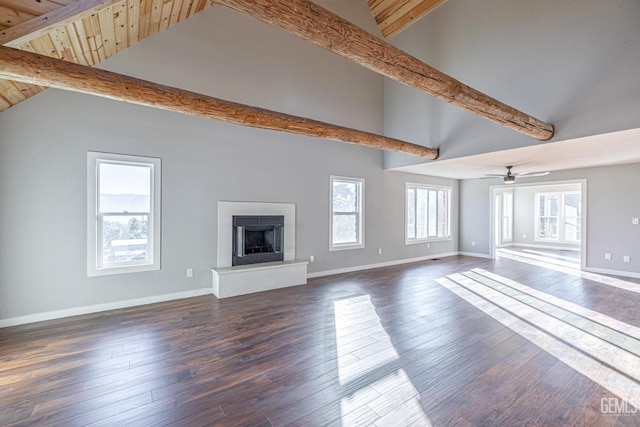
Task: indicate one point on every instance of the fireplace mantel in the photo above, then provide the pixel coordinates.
(231, 281)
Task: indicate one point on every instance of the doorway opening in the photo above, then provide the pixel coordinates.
(540, 219)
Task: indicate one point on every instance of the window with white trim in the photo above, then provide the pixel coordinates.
(558, 217)
(123, 213)
(507, 216)
(346, 223)
(428, 215)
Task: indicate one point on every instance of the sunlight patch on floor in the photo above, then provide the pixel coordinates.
(549, 255)
(574, 271)
(599, 347)
(543, 258)
(593, 315)
(378, 391)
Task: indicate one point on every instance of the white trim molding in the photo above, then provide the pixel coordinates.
(378, 265)
(97, 308)
(621, 273)
(475, 255)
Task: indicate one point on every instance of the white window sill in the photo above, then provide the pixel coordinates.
(345, 247)
(108, 271)
(420, 241)
(562, 242)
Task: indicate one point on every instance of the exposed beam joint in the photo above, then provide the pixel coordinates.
(312, 22)
(41, 70)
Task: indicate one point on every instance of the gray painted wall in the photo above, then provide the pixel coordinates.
(44, 140)
(524, 203)
(571, 63)
(612, 201)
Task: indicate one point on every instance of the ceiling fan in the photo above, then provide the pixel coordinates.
(510, 177)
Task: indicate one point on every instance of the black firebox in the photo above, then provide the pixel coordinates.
(257, 239)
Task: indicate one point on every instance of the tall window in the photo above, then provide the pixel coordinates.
(548, 209)
(572, 212)
(123, 214)
(428, 213)
(558, 217)
(507, 216)
(347, 213)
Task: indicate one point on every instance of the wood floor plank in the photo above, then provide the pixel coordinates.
(388, 346)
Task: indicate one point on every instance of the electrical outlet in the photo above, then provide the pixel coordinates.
(626, 258)
(473, 243)
(380, 251)
(189, 272)
(524, 236)
(634, 221)
(428, 245)
(607, 256)
(311, 258)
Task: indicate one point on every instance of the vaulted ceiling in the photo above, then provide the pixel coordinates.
(82, 31)
(89, 31)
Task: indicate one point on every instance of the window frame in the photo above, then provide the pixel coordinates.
(506, 223)
(94, 229)
(578, 223)
(429, 187)
(360, 182)
(560, 218)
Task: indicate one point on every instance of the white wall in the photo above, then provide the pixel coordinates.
(612, 201)
(571, 63)
(44, 140)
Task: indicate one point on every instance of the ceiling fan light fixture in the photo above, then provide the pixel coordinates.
(510, 177)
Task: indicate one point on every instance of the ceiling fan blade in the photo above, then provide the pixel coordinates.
(531, 174)
(493, 175)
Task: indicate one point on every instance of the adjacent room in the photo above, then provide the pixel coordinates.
(331, 212)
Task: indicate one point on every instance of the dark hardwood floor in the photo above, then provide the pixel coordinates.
(456, 341)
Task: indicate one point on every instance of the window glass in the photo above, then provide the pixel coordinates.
(346, 213)
(123, 209)
(411, 213)
(558, 217)
(428, 213)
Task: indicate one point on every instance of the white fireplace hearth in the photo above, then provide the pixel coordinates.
(231, 280)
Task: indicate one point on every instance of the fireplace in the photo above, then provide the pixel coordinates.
(257, 238)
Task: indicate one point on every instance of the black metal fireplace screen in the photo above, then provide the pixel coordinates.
(257, 239)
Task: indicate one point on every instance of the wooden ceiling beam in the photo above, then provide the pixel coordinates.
(42, 70)
(26, 31)
(312, 22)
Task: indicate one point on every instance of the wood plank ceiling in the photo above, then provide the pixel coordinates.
(394, 16)
(98, 35)
(92, 38)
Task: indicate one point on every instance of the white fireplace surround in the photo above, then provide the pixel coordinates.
(231, 281)
(226, 211)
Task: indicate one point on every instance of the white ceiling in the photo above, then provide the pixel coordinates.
(597, 150)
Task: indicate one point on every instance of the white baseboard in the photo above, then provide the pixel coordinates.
(475, 254)
(613, 272)
(378, 265)
(75, 311)
(58, 314)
